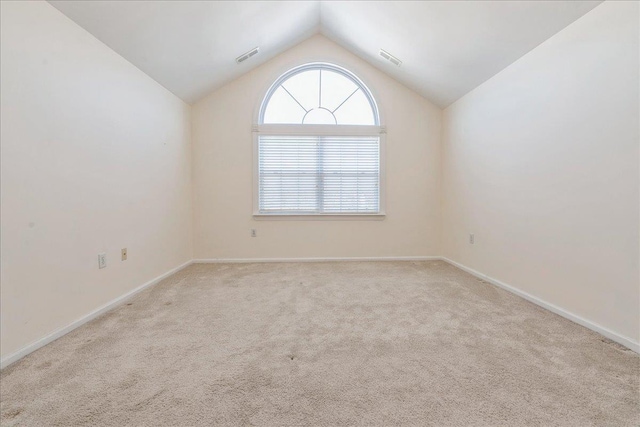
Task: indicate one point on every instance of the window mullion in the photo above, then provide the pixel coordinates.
(320, 174)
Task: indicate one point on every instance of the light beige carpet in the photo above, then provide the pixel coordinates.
(325, 344)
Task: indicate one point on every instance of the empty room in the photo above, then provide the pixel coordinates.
(320, 213)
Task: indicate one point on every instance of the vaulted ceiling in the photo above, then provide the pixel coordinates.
(447, 48)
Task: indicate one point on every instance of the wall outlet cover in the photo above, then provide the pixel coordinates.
(102, 260)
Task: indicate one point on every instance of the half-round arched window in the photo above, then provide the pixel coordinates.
(318, 146)
(319, 94)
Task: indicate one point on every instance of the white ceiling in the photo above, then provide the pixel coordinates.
(447, 48)
(190, 47)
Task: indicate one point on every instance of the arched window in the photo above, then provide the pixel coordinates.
(318, 145)
(319, 94)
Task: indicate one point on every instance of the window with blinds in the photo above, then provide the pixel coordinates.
(318, 145)
(318, 174)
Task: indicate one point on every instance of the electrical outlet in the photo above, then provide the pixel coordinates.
(124, 254)
(253, 232)
(102, 260)
(472, 239)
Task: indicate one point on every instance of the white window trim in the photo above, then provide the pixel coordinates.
(319, 130)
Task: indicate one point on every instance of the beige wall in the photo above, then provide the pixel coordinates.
(222, 172)
(95, 157)
(541, 164)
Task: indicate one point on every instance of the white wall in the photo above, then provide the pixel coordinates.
(541, 164)
(222, 172)
(95, 157)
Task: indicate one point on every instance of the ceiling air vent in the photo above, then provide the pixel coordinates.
(247, 55)
(386, 55)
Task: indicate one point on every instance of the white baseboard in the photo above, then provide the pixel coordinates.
(627, 342)
(8, 360)
(319, 259)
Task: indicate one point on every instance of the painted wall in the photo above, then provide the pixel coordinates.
(95, 158)
(223, 171)
(541, 164)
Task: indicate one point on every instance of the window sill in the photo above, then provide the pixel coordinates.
(320, 217)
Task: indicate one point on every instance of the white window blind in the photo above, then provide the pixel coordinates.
(318, 174)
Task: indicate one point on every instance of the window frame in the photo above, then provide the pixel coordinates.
(320, 66)
(281, 129)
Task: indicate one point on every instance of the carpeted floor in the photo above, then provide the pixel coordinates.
(325, 344)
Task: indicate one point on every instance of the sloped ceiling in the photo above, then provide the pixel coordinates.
(447, 48)
(190, 47)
